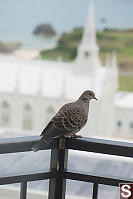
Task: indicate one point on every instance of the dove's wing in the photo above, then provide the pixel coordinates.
(72, 117)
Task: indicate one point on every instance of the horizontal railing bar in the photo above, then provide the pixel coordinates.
(27, 178)
(101, 146)
(96, 179)
(22, 144)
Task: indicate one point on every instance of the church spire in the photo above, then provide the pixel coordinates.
(89, 35)
(88, 51)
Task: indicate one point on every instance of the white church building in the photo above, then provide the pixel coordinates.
(32, 91)
(124, 115)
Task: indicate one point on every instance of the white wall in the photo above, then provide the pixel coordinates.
(125, 115)
(39, 105)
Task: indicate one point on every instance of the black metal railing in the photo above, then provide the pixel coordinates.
(58, 172)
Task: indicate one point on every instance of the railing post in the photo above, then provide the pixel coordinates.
(23, 191)
(95, 191)
(57, 186)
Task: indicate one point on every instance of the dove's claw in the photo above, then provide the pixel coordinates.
(76, 136)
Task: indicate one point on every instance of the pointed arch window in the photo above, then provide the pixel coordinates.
(5, 114)
(27, 117)
(119, 123)
(87, 54)
(131, 125)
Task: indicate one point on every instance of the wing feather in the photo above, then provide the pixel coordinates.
(70, 118)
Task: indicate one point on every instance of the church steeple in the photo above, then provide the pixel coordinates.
(88, 51)
(89, 35)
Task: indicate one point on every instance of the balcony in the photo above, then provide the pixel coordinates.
(59, 173)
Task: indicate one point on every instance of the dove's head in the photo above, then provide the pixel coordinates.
(87, 96)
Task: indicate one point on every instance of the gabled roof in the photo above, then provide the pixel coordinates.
(26, 76)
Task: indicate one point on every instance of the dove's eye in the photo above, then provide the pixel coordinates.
(91, 94)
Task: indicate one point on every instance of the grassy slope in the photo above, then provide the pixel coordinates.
(109, 40)
(126, 83)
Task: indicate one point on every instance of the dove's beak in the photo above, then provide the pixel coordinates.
(95, 98)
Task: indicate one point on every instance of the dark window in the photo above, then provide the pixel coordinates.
(5, 114)
(27, 117)
(131, 125)
(119, 123)
(87, 54)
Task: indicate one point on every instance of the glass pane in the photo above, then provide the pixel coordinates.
(24, 163)
(104, 165)
(108, 192)
(10, 191)
(78, 190)
(38, 189)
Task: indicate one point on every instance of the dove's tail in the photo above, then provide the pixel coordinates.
(40, 144)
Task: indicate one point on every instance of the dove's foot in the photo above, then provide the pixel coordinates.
(76, 136)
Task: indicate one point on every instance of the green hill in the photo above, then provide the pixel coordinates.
(108, 40)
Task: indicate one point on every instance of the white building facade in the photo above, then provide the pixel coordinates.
(124, 115)
(32, 91)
